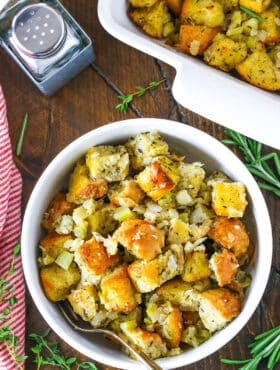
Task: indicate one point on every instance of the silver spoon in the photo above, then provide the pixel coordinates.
(75, 322)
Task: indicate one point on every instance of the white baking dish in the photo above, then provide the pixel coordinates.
(204, 90)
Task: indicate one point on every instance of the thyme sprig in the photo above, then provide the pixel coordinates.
(256, 162)
(140, 91)
(265, 346)
(48, 353)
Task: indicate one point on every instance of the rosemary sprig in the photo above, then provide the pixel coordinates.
(21, 135)
(48, 353)
(252, 14)
(265, 346)
(140, 91)
(257, 163)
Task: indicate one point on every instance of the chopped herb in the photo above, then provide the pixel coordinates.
(252, 14)
(21, 135)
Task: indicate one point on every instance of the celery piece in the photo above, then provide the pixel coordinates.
(123, 213)
(64, 259)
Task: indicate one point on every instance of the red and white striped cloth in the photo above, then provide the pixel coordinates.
(10, 227)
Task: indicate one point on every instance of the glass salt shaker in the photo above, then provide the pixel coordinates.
(45, 40)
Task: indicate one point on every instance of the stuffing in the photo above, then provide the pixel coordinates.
(117, 292)
(175, 6)
(127, 194)
(108, 162)
(204, 12)
(231, 234)
(103, 318)
(149, 275)
(141, 238)
(102, 221)
(228, 5)
(150, 343)
(58, 282)
(225, 266)
(270, 26)
(178, 232)
(257, 6)
(93, 260)
(192, 176)
(57, 208)
(84, 302)
(134, 315)
(217, 307)
(82, 187)
(142, 3)
(158, 178)
(229, 199)
(194, 335)
(196, 267)
(52, 245)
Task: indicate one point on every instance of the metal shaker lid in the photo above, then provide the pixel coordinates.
(38, 30)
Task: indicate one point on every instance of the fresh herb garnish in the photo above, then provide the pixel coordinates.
(252, 14)
(140, 91)
(257, 163)
(48, 353)
(21, 135)
(265, 346)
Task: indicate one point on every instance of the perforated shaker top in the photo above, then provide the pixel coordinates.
(38, 30)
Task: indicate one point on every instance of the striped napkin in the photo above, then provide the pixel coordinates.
(10, 227)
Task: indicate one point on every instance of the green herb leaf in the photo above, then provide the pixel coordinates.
(21, 135)
(252, 14)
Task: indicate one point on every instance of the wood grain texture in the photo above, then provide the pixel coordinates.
(87, 102)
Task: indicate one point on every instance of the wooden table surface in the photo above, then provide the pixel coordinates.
(89, 101)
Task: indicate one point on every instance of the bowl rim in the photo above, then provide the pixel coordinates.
(189, 134)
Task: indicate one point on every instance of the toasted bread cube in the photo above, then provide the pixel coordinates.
(108, 162)
(175, 6)
(195, 39)
(178, 232)
(218, 307)
(58, 207)
(168, 322)
(257, 6)
(259, 70)
(102, 221)
(205, 12)
(196, 267)
(149, 275)
(228, 5)
(158, 178)
(93, 260)
(225, 53)
(142, 3)
(81, 187)
(229, 199)
(84, 302)
(141, 238)
(145, 146)
(270, 26)
(179, 293)
(52, 245)
(192, 176)
(58, 282)
(127, 194)
(150, 343)
(153, 19)
(225, 266)
(231, 234)
(117, 292)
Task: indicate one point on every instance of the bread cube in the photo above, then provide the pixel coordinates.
(158, 178)
(102, 221)
(52, 245)
(270, 26)
(218, 307)
(175, 6)
(93, 260)
(257, 6)
(57, 208)
(141, 238)
(231, 234)
(84, 302)
(259, 70)
(229, 199)
(229, 5)
(150, 343)
(127, 194)
(108, 162)
(205, 12)
(58, 282)
(81, 187)
(142, 3)
(117, 292)
(149, 275)
(225, 53)
(196, 267)
(224, 265)
(179, 293)
(195, 39)
(145, 146)
(178, 232)
(192, 176)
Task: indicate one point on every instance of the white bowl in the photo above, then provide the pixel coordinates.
(196, 145)
(211, 93)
